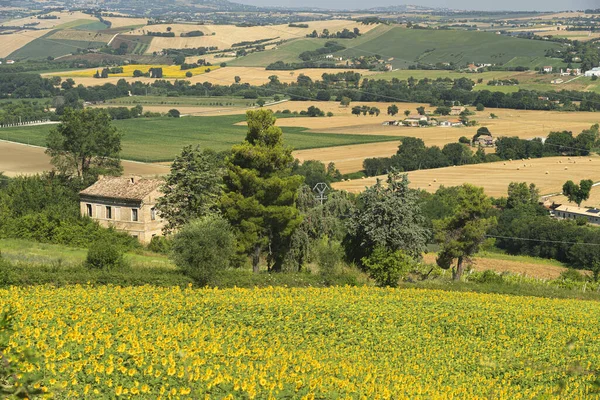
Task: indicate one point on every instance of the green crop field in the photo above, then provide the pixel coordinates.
(409, 46)
(43, 47)
(77, 23)
(287, 52)
(91, 26)
(161, 139)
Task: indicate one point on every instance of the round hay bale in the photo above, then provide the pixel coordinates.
(362, 177)
(435, 180)
(566, 168)
(547, 172)
(504, 163)
(518, 169)
(429, 184)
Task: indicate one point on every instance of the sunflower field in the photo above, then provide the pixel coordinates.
(148, 342)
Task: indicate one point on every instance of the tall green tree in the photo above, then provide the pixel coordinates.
(389, 217)
(519, 194)
(578, 193)
(461, 234)
(261, 191)
(85, 143)
(192, 188)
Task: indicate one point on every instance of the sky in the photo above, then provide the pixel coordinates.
(513, 5)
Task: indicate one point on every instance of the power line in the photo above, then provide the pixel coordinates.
(541, 240)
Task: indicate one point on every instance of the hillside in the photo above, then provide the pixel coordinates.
(409, 46)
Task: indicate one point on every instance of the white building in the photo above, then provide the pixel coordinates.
(572, 212)
(593, 72)
(547, 69)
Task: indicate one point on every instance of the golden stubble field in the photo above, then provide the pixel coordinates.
(522, 123)
(19, 159)
(223, 36)
(14, 41)
(63, 18)
(549, 174)
(221, 76)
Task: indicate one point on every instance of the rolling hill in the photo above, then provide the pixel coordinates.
(409, 46)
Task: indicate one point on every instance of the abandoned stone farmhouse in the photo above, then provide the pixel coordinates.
(125, 203)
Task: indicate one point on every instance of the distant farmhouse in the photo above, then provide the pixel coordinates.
(126, 203)
(569, 212)
(593, 72)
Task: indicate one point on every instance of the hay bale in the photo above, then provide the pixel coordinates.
(429, 184)
(435, 180)
(518, 169)
(566, 168)
(547, 172)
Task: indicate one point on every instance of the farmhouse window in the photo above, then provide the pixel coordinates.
(134, 214)
(153, 214)
(108, 212)
(89, 210)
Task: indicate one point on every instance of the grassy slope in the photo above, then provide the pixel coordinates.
(161, 139)
(43, 47)
(17, 250)
(287, 52)
(407, 46)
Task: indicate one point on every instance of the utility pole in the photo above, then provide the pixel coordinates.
(320, 188)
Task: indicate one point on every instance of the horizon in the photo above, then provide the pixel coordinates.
(459, 5)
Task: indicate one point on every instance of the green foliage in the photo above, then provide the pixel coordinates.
(329, 255)
(174, 113)
(192, 188)
(106, 255)
(388, 217)
(204, 247)
(314, 172)
(461, 235)
(578, 193)
(85, 143)
(159, 244)
(571, 274)
(387, 267)
(519, 194)
(487, 276)
(15, 379)
(261, 192)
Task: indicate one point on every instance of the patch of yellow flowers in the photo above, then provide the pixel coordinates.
(169, 71)
(357, 343)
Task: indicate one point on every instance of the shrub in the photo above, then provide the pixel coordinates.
(464, 140)
(189, 74)
(104, 254)
(386, 267)
(329, 114)
(159, 244)
(487, 276)
(328, 255)
(203, 248)
(572, 275)
(174, 113)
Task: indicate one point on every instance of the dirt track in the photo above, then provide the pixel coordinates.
(19, 159)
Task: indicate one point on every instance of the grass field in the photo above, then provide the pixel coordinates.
(24, 251)
(408, 46)
(91, 26)
(107, 342)
(78, 35)
(161, 139)
(549, 174)
(287, 52)
(44, 47)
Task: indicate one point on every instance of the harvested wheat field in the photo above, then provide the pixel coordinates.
(19, 159)
(593, 201)
(259, 76)
(63, 18)
(217, 76)
(348, 158)
(14, 41)
(223, 36)
(72, 34)
(120, 22)
(536, 270)
(549, 174)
